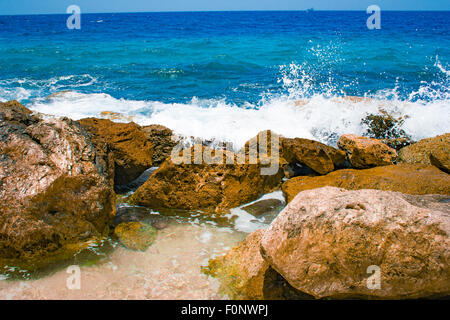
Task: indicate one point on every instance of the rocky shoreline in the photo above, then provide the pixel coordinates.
(368, 202)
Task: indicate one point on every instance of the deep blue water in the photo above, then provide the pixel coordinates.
(173, 57)
(228, 75)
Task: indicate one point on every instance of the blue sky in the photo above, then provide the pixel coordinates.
(59, 6)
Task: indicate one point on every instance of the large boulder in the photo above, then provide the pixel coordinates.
(189, 182)
(331, 243)
(364, 152)
(405, 178)
(433, 151)
(55, 188)
(315, 155)
(163, 141)
(131, 150)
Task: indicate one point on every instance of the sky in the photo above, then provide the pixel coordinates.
(89, 6)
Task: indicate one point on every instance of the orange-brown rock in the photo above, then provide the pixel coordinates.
(15, 112)
(335, 243)
(405, 178)
(428, 151)
(55, 188)
(441, 159)
(135, 235)
(131, 150)
(161, 139)
(245, 275)
(315, 155)
(215, 186)
(241, 271)
(364, 152)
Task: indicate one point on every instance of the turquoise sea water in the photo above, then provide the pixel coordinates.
(229, 74)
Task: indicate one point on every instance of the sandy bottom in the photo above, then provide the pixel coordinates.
(169, 269)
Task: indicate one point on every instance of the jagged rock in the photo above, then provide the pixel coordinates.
(428, 151)
(366, 152)
(161, 138)
(135, 235)
(315, 155)
(405, 178)
(131, 150)
(209, 187)
(15, 112)
(326, 239)
(55, 188)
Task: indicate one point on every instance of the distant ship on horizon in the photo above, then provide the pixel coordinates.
(310, 10)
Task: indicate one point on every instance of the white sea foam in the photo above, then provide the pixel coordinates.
(303, 109)
(319, 118)
(245, 222)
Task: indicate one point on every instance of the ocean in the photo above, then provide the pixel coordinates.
(229, 75)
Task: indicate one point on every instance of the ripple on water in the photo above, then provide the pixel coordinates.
(169, 269)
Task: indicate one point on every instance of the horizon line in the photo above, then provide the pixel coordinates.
(207, 11)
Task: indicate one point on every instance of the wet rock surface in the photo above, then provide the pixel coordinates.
(270, 207)
(135, 184)
(56, 188)
(241, 270)
(245, 275)
(139, 214)
(135, 235)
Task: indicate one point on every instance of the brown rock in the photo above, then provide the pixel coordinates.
(315, 155)
(366, 152)
(264, 207)
(405, 178)
(326, 240)
(441, 158)
(433, 151)
(140, 214)
(245, 275)
(131, 150)
(135, 235)
(242, 270)
(161, 138)
(16, 112)
(205, 186)
(55, 188)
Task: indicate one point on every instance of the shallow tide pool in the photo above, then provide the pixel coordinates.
(169, 269)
